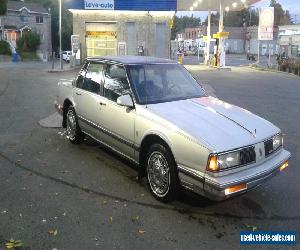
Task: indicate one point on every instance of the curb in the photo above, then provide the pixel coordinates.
(62, 70)
(199, 67)
(273, 70)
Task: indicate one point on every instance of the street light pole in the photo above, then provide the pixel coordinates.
(60, 49)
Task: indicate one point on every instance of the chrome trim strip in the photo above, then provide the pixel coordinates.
(191, 173)
(113, 149)
(109, 133)
(260, 175)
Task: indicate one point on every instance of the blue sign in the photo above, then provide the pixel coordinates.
(266, 237)
(99, 4)
(137, 5)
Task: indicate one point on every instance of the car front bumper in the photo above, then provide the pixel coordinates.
(216, 188)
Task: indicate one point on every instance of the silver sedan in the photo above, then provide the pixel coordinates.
(155, 114)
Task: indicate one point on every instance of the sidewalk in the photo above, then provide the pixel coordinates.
(45, 66)
(199, 67)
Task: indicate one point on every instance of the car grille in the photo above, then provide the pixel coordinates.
(247, 155)
(268, 147)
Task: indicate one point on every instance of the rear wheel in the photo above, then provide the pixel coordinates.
(161, 173)
(74, 133)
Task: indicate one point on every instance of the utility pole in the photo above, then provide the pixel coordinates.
(60, 49)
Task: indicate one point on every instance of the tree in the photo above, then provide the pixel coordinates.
(180, 23)
(3, 7)
(29, 41)
(245, 17)
(281, 17)
(4, 48)
(214, 19)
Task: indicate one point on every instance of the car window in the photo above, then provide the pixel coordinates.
(156, 83)
(116, 83)
(93, 77)
(81, 76)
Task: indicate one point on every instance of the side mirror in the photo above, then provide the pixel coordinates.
(125, 100)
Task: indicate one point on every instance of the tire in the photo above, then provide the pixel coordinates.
(162, 173)
(74, 133)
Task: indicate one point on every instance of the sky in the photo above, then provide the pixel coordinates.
(293, 6)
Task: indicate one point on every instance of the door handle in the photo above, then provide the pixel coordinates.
(102, 104)
(78, 93)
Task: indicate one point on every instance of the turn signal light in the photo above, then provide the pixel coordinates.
(234, 189)
(284, 166)
(212, 163)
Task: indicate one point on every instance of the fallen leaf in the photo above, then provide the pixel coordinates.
(53, 232)
(142, 195)
(11, 244)
(110, 218)
(104, 202)
(136, 218)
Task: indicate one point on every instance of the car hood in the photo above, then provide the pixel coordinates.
(217, 124)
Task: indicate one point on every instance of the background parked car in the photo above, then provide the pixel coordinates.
(66, 56)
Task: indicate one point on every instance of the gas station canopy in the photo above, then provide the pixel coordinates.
(213, 5)
(159, 5)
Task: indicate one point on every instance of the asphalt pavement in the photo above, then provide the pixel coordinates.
(55, 195)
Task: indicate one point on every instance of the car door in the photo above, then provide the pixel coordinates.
(86, 96)
(117, 121)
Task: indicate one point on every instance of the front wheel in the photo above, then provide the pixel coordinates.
(161, 173)
(74, 133)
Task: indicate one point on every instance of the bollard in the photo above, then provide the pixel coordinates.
(180, 58)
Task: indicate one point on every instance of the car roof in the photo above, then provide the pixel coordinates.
(133, 59)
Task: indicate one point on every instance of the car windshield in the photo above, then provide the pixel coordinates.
(156, 83)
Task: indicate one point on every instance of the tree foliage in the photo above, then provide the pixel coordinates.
(4, 48)
(281, 16)
(245, 17)
(3, 7)
(180, 23)
(250, 17)
(29, 41)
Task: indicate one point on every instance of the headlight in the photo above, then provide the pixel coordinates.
(223, 161)
(272, 144)
(229, 160)
(277, 141)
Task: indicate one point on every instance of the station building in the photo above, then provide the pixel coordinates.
(120, 27)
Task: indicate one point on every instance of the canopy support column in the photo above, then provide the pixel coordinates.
(222, 53)
(208, 37)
